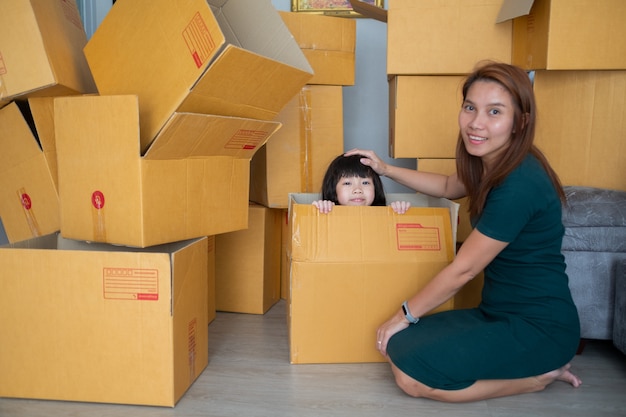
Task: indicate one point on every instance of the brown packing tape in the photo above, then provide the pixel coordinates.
(306, 127)
(97, 211)
(369, 10)
(26, 204)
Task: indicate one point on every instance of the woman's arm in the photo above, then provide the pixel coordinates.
(474, 255)
(436, 185)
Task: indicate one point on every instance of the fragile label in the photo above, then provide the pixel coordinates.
(413, 236)
(198, 40)
(131, 284)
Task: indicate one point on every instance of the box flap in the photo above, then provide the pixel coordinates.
(369, 10)
(229, 88)
(513, 8)
(257, 27)
(356, 233)
(192, 135)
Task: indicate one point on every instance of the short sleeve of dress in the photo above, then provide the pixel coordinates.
(512, 204)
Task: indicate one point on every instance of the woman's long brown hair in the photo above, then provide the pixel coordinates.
(479, 181)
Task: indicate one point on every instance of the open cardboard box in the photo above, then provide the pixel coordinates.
(193, 180)
(102, 323)
(29, 202)
(222, 57)
(41, 50)
(351, 269)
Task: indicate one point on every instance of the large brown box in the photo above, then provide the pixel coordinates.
(193, 180)
(102, 323)
(351, 269)
(29, 201)
(571, 35)
(247, 264)
(445, 36)
(328, 43)
(41, 50)
(423, 114)
(581, 125)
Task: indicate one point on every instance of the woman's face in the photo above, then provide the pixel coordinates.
(355, 191)
(486, 120)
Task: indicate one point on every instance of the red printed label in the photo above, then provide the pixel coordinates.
(97, 199)
(26, 201)
(131, 284)
(413, 236)
(246, 139)
(198, 40)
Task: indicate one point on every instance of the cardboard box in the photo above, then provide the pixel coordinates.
(581, 126)
(29, 202)
(41, 50)
(222, 57)
(297, 156)
(571, 35)
(351, 270)
(247, 269)
(445, 36)
(193, 181)
(328, 43)
(415, 130)
(102, 323)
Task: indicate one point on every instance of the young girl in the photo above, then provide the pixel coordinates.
(348, 182)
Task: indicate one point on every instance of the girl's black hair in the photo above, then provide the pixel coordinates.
(351, 166)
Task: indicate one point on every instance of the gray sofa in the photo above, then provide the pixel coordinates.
(594, 247)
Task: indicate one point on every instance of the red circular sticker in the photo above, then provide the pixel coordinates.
(97, 199)
(26, 201)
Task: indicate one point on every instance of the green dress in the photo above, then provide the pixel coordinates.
(526, 323)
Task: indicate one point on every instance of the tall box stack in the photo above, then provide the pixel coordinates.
(447, 39)
(581, 91)
(148, 172)
(351, 269)
(182, 167)
(294, 160)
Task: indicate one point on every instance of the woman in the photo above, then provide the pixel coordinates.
(526, 330)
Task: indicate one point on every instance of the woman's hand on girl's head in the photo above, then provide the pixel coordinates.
(370, 159)
(324, 206)
(400, 207)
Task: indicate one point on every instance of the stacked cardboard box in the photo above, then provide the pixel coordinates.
(294, 160)
(148, 170)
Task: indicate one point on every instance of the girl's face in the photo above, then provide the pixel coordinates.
(355, 191)
(486, 120)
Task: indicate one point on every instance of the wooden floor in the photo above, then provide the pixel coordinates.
(249, 375)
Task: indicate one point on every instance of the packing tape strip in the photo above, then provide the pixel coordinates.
(306, 134)
(97, 214)
(27, 205)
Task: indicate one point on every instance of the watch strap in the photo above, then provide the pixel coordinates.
(408, 315)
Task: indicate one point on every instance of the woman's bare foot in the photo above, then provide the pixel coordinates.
(561, 374)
